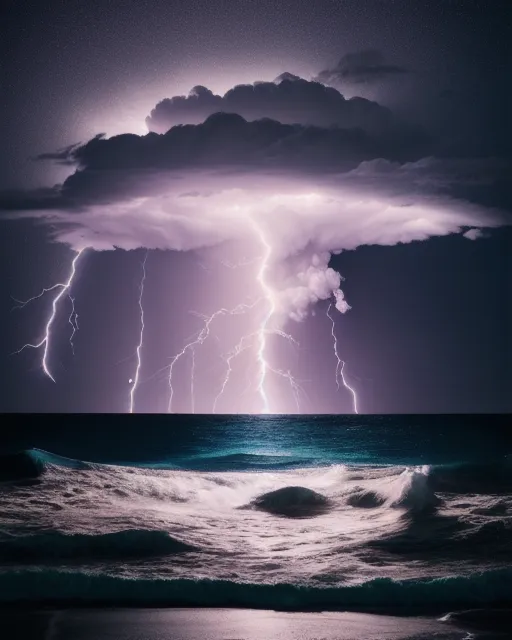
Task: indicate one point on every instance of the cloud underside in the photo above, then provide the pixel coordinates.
(331, 213)
(304, 218)
(307, 191)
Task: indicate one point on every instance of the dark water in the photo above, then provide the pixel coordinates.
(286, 512)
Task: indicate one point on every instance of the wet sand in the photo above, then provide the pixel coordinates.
(227, 624)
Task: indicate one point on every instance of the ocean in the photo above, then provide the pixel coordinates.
(292, 513)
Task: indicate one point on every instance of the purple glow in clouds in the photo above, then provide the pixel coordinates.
(288, 195)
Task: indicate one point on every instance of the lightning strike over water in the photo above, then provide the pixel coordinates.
(135, 379)
(296, 389)
(256, 340)
(73, 321)
(340, 364)
(246, 342)
(192, 375)
(268, 294)
(240, 347)
(347, 386)
(201, 337)
(64, 287)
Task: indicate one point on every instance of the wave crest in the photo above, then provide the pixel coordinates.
(32, 463)
(416, 494)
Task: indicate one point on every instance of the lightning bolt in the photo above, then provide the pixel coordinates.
(192, 380)
(296, 388)
(346, 385)
(64, 287)
(239, 348)
(23, 303)
(73, 321)
(257, 339)
(135, 380)
(246, 342)
(340, 364)
(262, 333)
(198, 341)
(335, 346)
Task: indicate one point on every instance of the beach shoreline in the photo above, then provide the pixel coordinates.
(244, 624)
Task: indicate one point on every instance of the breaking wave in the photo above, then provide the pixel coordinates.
(255, 530)
(416, 493)
(463, 477)
(32, 463)
(415, 489)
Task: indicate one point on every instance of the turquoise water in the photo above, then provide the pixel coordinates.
(190, 439)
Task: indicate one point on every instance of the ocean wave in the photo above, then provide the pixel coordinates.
(416, 494)
(366, 499)
(20, 466)
(292, 502)
(242, 462)
(32, 463)
(498, 468)
(52, 546)
(408, 489)
(488, 588)
(414, 488)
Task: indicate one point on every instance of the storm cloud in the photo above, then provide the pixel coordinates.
(290, 100)
(304, 190)
(361, 67)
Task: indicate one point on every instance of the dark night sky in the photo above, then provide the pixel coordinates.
(430, 329)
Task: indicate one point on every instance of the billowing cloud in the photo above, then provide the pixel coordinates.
(290, 100)
(296, 193)
(360, 67)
